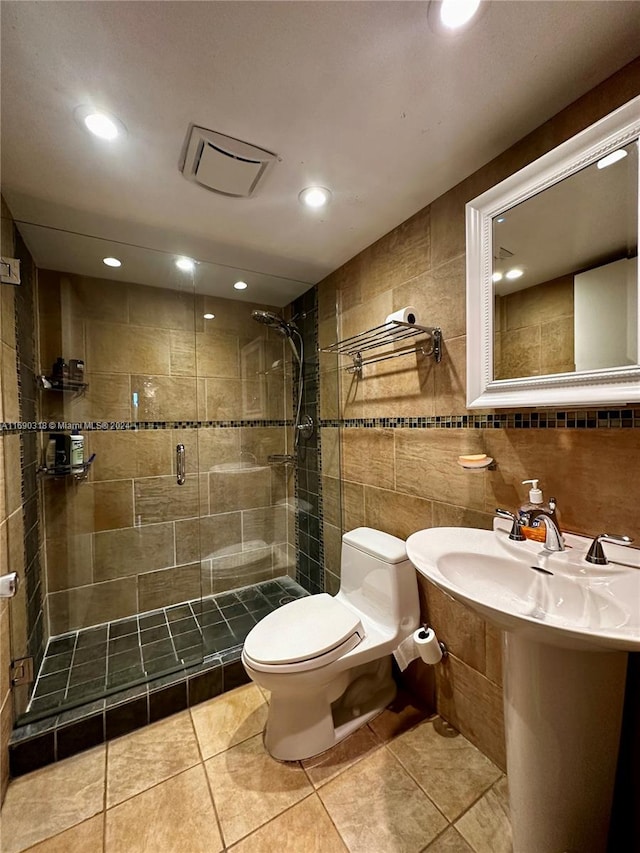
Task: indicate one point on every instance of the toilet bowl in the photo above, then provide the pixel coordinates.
(327, 660)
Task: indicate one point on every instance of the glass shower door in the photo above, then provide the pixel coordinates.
(120, 530)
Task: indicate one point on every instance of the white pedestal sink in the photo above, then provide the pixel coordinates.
(567, 631)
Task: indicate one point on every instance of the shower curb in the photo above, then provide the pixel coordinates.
(44, 742)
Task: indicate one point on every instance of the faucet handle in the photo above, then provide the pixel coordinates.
(516, 533)
(596, 553)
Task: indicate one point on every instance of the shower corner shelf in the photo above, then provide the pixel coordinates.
(61, 472)
(48, 383)
(385, 335)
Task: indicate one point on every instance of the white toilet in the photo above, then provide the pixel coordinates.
(327, 660)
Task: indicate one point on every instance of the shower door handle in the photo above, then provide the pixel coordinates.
(180, 468)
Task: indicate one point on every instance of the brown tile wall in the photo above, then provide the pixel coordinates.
(534, 326)
(21, 620)
(401, 480)
(129, 539)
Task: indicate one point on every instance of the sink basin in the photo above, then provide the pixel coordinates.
(556, 598)
(563, 698)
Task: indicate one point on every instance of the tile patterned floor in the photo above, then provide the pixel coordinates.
(201, 782)
(83, 665)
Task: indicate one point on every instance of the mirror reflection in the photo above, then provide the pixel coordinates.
(565, 274)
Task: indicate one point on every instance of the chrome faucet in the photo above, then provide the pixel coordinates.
(516, 533)
(553, 540)
(596, 553)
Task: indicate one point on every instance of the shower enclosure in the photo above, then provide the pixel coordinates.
(177, 531)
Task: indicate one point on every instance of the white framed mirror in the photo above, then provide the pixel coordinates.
(553, 314)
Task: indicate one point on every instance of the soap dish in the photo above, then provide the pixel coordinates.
(475, 461)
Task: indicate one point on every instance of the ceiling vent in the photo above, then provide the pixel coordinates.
(222, 164)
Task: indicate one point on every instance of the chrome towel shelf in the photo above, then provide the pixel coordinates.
(387, 334)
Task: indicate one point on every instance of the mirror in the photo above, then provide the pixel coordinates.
(552, 276)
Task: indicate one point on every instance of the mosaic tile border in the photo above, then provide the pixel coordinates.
(569, 419)
(574, 419)
(12, 427)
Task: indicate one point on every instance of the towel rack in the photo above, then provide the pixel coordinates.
(385, 335)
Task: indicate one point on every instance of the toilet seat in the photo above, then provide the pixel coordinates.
(305, 634)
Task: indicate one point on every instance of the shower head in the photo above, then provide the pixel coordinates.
(268, 318)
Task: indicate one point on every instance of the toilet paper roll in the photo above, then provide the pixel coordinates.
(421, 644)
(428, 646)
(404, 315)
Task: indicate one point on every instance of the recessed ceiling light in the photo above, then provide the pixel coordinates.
(112, 262)
(514, 273)
(497, 276)
(456, 13)
(102, 124)
(500, 219)
(315, 196)
(241, 285)
(209, 316)
(451, 18)
(612, 158)
(186, 264)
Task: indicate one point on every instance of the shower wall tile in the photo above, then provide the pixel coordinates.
(196, 538)
(71, 508)
(239, 489)
(265, 524)
(218, 355)
(258, 443)
(84, 298)
(243, 567)
(91, 605)
(69, 561)
(161, 308)
(12, 474)
(22, 634)
(108, 400)
(216, 447)
(124, 455)
(164, 398)
(224, 403)
(157, 499)
(10, 399)
(7, 297)
(132, 551)
(182, 354)
(169, 586)
(128, 349)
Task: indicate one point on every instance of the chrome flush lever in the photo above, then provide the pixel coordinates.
(180, 466)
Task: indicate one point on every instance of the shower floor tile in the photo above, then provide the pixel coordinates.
(85, 665)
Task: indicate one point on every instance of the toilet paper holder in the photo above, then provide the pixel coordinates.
(443, 648)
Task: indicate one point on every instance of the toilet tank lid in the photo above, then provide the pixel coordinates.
(378, 544)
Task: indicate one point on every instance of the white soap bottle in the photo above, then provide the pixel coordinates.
(77, 453)
(535, 506)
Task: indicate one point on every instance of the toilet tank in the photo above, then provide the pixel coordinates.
(378, 579)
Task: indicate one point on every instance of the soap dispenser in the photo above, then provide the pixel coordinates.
(534, 507)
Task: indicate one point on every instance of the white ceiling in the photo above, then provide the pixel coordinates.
(362, 97)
